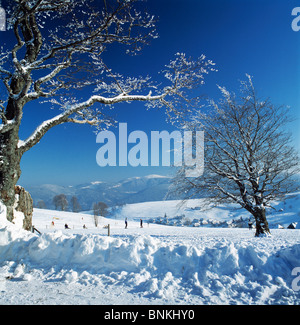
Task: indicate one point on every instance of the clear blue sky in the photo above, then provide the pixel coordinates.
(240, 36)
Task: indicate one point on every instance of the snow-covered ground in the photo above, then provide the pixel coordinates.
(156, 264)
(195, 213)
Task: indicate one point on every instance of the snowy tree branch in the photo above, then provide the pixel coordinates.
(51, 66)
(64, 117)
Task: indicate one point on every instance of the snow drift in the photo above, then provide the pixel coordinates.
(216, 271)
(157, 264)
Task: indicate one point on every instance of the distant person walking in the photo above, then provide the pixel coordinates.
(250, 224)
(141, 223)
(126, 223)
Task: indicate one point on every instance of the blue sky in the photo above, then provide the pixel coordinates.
(240, 36)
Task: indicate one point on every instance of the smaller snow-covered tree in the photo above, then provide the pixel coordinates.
(41, 204)
(76, 207)
(100, 209)
(60, 201)
(249, 157)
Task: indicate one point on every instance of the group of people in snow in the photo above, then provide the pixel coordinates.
(66, 225)
(84, 226)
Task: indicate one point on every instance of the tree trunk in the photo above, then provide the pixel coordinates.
(13, 197)
(10, 170)
(262, 226)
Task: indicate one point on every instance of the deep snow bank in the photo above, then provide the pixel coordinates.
(18, 216)
(223, 271)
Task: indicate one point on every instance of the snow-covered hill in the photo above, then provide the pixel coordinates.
(195, 213)
(130, 190)
(156, 264)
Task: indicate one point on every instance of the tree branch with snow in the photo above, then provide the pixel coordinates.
(54, 65)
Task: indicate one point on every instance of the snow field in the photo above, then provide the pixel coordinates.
(173, 265)
(281, 215)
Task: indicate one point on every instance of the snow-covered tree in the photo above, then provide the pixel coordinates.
(60, 201)
(76, 207)
(249, 156)
(57, 62)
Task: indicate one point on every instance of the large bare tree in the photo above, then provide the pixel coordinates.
(56, 50)
(249, 156)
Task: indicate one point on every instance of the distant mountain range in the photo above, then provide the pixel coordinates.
(131, 190)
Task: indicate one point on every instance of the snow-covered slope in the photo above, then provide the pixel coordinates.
(195, 213)
(130, 190)
(155, 264)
